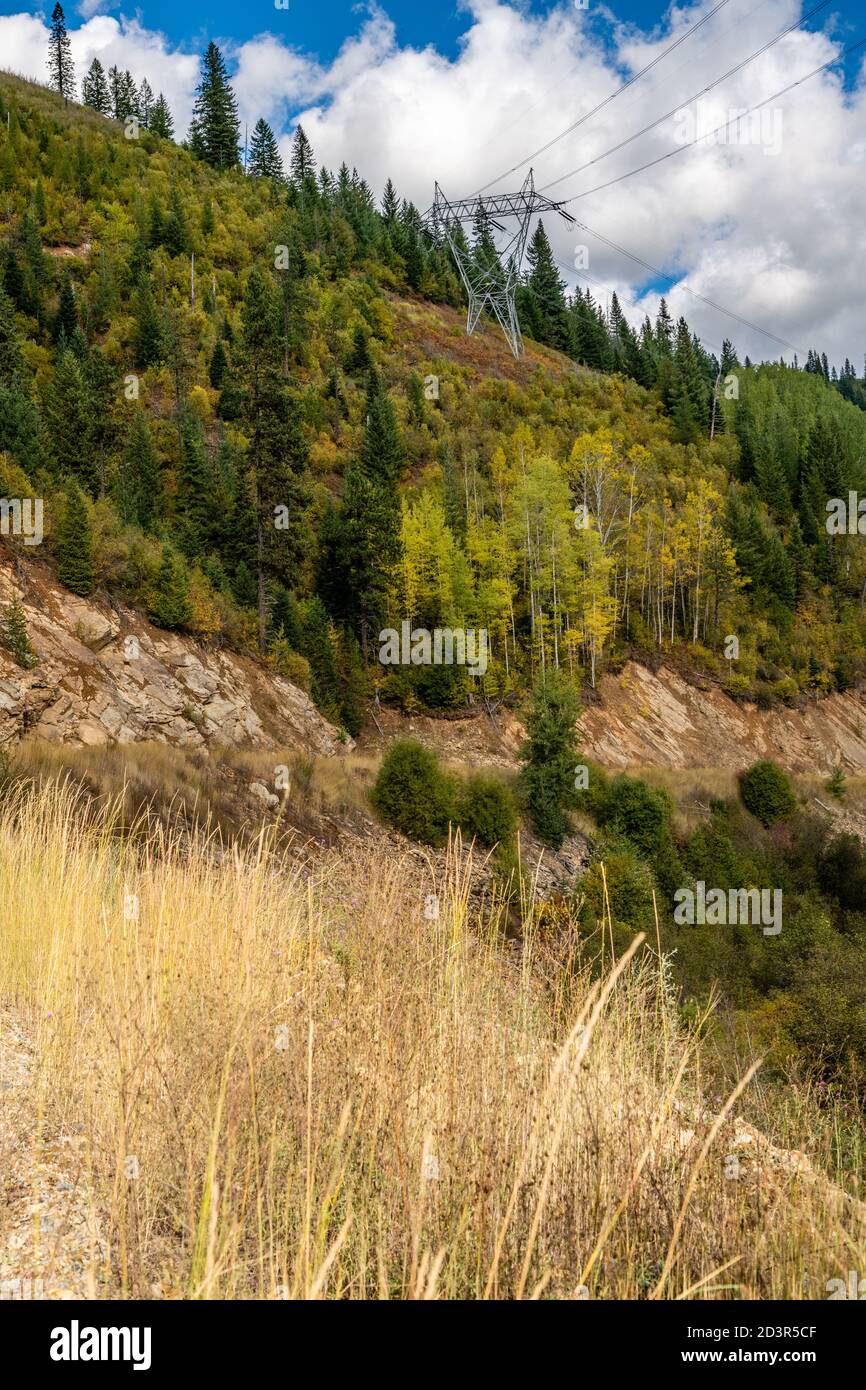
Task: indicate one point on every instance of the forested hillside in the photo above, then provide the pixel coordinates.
(213, 380)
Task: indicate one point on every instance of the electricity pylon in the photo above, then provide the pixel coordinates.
(493, 286)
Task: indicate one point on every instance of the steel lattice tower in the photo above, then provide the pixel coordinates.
(493, 286)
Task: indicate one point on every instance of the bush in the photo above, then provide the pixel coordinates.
(412, 792)
(638, 811)
(486, 810)
(766, 791)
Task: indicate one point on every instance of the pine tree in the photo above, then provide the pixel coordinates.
(264, 161)
(69, 416)
(170, 606)
(129, 97)
(302, 163)
(390, 205)
(361, 543)
(360, 362)
(115, 91)
(66, 319)
(550, 756)
(13, 632)
(546, 294)
(215, 128)
(277, 452)
(161, 122)
(149, 337)
(11, 359)
(75, 543)
(94, 89)
(145, 102)
(139, 481)
(60, 65)
(194, 504)
(218, 365)
(176, 239)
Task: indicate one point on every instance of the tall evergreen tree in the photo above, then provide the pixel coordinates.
(550, 756)
(545, 298)
(75, 543)
(66, 319)
(361, 544)
(302, 163)
(170, 605)
(145, 103)
(139, 481)
(68, 412)
(94, 89)
(161, 122)
(264, 161)
(60, 65)
(148, 336)
(215, 127)
(277, 452)
(176, 238)
(11, 358)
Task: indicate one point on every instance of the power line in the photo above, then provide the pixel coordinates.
(708, 135)
(713, 304)
(693, 29)
(738, 67)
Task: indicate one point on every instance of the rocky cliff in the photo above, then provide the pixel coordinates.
(105, 675)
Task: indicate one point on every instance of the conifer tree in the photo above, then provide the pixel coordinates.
(60, 65)
(170, 606)
(550, 755)
(390, 205)
(215, 127)
(11, 359)
(66, 319)
(116, 91)
(546, 294)
(161, 122)
(302, 163)
(94, 89)
(277, 452)
(145, 103)
(149, 337)
(194, 503)
(361, 546)
(218, 365)
(69, 416)
(176, 239)
(13, 632)
(264, 161)
(139, 482)
(75, 543)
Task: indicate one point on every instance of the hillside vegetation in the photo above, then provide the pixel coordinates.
(249, 406)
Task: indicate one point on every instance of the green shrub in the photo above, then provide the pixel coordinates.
(486, 810)
(412, 793)
(767, 792)
(638, 811)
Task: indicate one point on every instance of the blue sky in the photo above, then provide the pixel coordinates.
(319, 26)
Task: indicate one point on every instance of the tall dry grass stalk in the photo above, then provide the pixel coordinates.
(306, 1087)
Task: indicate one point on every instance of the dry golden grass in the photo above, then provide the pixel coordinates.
(305, 1087)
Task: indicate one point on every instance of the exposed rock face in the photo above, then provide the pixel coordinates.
(105, 675)
(660, 720)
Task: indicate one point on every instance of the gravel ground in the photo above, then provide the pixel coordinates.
(51, 1246)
